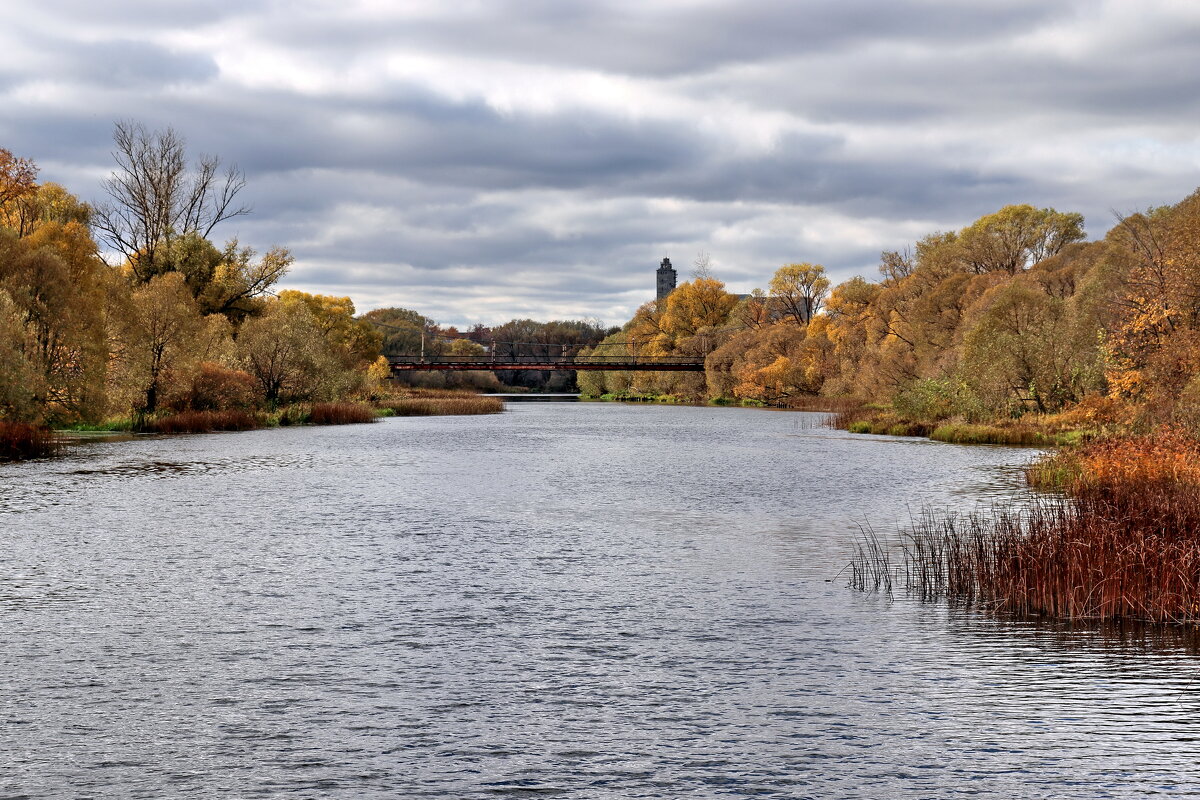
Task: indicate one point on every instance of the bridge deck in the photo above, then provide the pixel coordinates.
(411, 364)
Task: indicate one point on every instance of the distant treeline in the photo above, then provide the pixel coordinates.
(1013, 314)
(408, 333)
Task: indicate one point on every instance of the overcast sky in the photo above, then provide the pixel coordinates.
(489, 159)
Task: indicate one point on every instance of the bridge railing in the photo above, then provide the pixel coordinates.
(505, 363)
(485, 361)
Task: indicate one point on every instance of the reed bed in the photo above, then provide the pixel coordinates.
(23, 440)
(203, 422)
(341, 413)
(461, 394)
(444, 406)
(1121, 543)
(818, 403)
(963, 433)
(871, 568)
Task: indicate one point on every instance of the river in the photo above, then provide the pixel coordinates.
(565, 600)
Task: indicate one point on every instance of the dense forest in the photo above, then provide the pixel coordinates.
(1013, 315)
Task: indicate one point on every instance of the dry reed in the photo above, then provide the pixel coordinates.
(445, 406)
(203, 422)
(1122, 543)
(341, 413)
(23, 440)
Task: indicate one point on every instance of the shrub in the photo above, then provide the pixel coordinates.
(933, 400)
(216, 388)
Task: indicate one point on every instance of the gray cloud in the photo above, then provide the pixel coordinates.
(488, 160)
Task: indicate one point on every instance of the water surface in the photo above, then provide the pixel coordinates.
(566, 600)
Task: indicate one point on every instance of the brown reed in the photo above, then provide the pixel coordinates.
(341, 413)
(1121, 543)
(445, 406)
(203, 422)
(23, 440)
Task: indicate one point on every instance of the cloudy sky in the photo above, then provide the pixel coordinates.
(487, 159)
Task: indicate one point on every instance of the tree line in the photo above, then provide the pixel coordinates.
(181, 323)
(1013, 314)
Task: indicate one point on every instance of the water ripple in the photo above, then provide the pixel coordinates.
(562, 601)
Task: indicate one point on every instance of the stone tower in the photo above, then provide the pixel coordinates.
(666, 279)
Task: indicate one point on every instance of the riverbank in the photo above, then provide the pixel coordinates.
(1085, 422)
(667, 399)
(1119, 540)
(24, 440)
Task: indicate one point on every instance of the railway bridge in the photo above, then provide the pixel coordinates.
(512, 362)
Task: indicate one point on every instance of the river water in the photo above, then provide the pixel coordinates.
(566, 600)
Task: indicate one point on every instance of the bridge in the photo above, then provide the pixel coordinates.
(498, 362)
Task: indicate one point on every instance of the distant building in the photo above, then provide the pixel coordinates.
(666, 279)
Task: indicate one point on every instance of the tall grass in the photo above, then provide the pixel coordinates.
(962, 433)
(203, 422)
(22, 440)
(444, 406)
(341, 413)
(1121, 543)
(819, 403)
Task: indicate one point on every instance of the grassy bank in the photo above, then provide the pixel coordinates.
(1031, 430)
(20, 440)
(1120, 542)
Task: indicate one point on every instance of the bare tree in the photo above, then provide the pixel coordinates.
(702, 266)
(155, 196)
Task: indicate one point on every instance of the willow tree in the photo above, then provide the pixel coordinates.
(799, 290)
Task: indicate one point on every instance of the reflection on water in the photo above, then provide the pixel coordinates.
(593, 601)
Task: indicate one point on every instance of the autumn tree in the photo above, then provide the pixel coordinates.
(58, 285)
(20, 381)
(695, 306)
(18, 178)
(1016, 237)
(47, 203)
(1155, 348)
(1016, 351)
(229, 281)
(896, 265)
(354, 341)
(284, 349)
(466, 348)
(799, 289)
(403, 331)
(162, 335)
